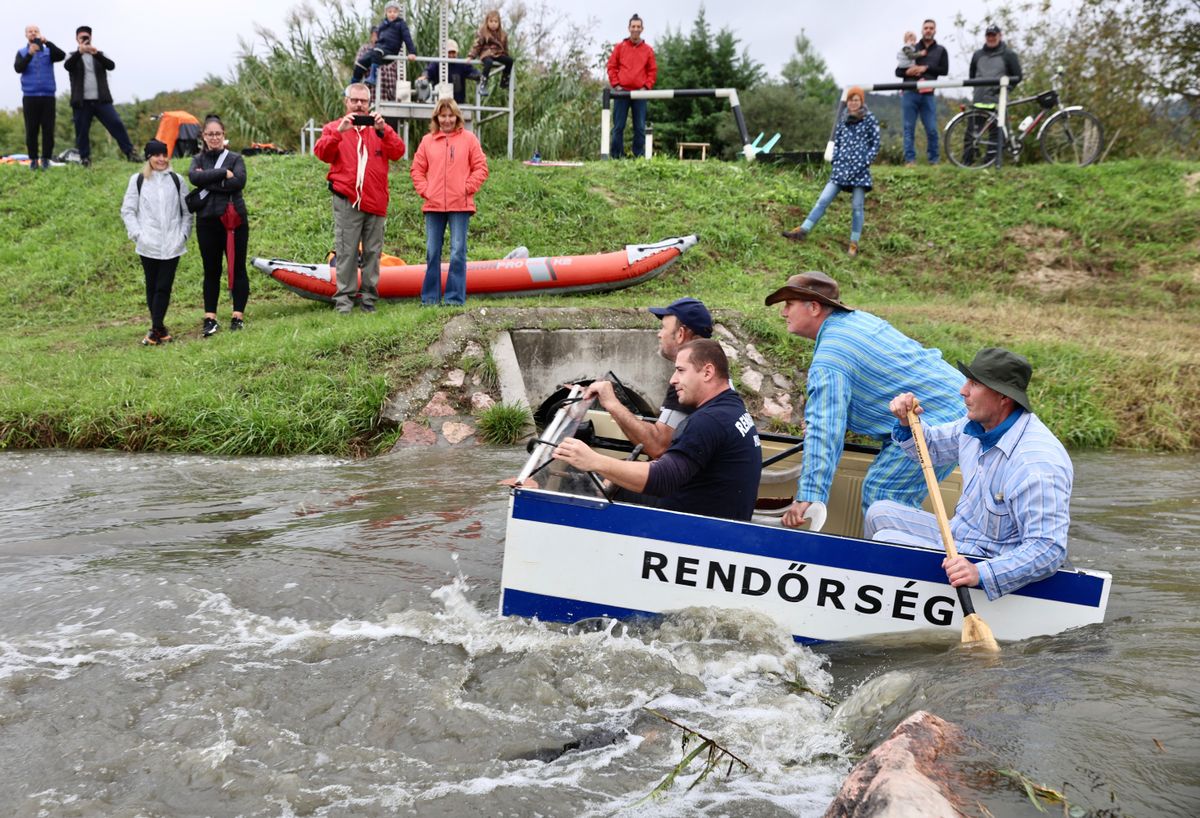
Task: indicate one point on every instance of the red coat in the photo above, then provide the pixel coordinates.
(340, 150)
(632, 66)
(447, 171)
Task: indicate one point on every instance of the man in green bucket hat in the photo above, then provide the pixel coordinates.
(1015, 507)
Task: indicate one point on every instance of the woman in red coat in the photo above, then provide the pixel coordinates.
(447, 170)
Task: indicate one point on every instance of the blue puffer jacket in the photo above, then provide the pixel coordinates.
(37, 70)
(855, 144)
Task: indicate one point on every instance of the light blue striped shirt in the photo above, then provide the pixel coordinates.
(859, 364)
(1015, 505)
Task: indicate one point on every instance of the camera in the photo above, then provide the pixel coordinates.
(363, 119)
(85, 40)
(38, 41)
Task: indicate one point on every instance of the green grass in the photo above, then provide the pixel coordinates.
(957, 259)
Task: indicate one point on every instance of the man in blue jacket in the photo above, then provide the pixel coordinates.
(35, 63)
(934, 64)
(88, 69)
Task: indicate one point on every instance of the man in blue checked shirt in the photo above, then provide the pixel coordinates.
(1015, 507)
(859, 362)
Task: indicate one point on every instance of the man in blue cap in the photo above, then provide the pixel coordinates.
(1015, 508)
(683, 320)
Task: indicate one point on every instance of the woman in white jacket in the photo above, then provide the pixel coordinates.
(157, 220)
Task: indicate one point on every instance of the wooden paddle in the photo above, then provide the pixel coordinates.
(974, 628)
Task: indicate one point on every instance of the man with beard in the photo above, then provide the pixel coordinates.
(683, 320)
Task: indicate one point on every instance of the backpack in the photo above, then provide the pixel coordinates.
(174, 178)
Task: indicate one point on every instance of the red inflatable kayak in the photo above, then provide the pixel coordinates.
(509, 276)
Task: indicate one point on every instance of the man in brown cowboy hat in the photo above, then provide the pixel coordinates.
(858, 363)
(1015, 508)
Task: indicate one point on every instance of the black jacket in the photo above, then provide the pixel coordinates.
(221, 189)
(75, 71)
(935, 57)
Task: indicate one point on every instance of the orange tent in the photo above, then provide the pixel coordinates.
(181, 127)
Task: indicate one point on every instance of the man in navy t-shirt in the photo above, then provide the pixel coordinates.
(714, 463)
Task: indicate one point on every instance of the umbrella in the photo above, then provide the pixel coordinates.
(232, 220)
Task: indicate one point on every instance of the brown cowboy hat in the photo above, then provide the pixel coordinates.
(810, 286)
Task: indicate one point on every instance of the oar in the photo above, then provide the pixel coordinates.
(974, 628)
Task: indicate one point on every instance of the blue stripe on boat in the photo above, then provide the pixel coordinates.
(559, 609)
(778, 543)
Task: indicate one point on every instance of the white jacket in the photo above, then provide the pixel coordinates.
(157, 220)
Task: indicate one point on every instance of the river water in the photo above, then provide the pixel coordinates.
(188, 636)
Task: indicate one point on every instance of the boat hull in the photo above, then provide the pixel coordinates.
(570, 557)
(501, 277)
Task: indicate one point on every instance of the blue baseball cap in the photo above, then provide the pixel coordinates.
(691, 313)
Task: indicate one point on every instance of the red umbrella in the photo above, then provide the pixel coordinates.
(232, 221)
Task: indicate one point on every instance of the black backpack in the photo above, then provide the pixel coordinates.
(174, 178)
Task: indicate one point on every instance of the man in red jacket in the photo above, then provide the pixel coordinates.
(631, 67)
(358, 147)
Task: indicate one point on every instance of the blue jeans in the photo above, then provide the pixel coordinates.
(108, 117)
(621, 106)
(916, 104)
(456, 279)
(857, 209)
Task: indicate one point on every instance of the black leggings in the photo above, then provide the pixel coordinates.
(210, 236)
(160, 277)
(506, 61)
(39, 113)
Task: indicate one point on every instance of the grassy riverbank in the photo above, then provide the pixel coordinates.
(1093, 273)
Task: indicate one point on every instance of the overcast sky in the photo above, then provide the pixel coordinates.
(163, 46)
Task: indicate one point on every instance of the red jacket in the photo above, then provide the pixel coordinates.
(447, 171)
(341, 151)
(632, 66)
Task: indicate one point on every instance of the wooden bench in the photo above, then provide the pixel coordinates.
(702, 146)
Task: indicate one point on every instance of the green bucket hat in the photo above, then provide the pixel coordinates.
(1005, 372)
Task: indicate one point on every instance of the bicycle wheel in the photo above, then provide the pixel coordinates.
(973, 139)
(1072, 136)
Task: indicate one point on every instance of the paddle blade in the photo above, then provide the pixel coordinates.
(976, 632)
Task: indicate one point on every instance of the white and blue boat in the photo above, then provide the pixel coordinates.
(573, 554)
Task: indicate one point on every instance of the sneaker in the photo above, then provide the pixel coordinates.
(210, 327)
(483, 90)
(910, 164)
(164, 337)
(799, 234)
(852, 250)
(85, 162)
(367, 307)
(236, 324)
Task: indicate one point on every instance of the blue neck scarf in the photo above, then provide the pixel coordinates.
(989, 439)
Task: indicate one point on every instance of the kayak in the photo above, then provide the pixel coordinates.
(571, 553)
(600, 272)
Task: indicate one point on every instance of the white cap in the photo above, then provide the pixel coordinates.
(451, 45)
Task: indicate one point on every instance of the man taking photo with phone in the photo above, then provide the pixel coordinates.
(90, 98)
(357, 147)
(35, 63)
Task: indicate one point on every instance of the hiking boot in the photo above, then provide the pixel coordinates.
(367, 307)
(852, 250)
(236, 324)
(85, 162)
(151, 339)
(210, 327)
(164, 337)
(799, 234)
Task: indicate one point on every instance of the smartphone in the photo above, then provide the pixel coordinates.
(363, 119)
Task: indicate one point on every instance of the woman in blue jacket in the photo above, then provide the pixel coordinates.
(855, 145)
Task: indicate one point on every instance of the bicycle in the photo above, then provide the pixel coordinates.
(975, 137)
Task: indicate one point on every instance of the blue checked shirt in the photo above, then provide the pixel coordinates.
(1015, 506)
(859, 364)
